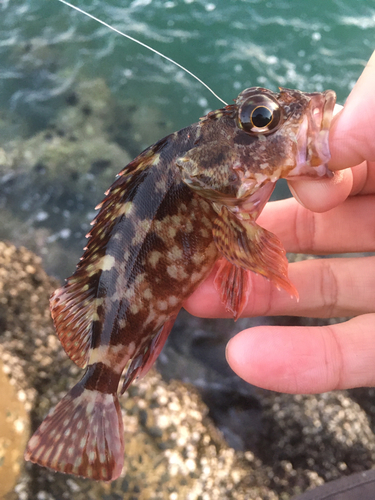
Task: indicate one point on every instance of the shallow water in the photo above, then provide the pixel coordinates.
(46, 48)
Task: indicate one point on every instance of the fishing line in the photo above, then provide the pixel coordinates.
(143, 45)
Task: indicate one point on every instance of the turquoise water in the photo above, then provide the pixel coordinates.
(46, 48)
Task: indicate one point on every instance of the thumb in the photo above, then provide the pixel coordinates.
(352, 132)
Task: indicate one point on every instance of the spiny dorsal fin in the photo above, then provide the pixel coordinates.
(74, 306)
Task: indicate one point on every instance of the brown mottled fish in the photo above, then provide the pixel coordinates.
(186, 202)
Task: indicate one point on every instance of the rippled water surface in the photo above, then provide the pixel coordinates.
(230, 45)
(46, 48)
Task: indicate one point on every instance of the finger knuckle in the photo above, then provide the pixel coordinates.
(328, 288)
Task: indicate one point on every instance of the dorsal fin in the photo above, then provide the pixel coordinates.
(74, 305)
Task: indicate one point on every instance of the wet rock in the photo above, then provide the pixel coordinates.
(51, 182)
(314, 438)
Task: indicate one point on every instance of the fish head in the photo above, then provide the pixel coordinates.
(242, 150)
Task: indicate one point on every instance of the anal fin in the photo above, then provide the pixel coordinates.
(250, 247)
(143, 362)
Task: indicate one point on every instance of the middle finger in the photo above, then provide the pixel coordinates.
(349, 227)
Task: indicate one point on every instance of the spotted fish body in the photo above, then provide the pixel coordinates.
(186, 203)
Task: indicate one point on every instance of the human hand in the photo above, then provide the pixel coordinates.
(341, 220)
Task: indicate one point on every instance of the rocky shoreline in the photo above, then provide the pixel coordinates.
(193, 430)
(173, 448)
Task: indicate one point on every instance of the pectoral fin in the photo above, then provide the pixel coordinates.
(250, 247)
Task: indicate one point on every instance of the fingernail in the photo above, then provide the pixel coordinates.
(226, 350)
(337, 109)
(295, 195)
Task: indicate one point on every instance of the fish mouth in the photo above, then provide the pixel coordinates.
(312, 141)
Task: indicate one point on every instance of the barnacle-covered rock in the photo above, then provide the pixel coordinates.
(173, 450)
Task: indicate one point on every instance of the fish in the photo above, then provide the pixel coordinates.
(186, 204)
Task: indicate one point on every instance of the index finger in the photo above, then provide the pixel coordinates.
(353, 129)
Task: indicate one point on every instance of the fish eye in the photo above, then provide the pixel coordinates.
(259, 114)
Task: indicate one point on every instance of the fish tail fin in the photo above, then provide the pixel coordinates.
(82, 435)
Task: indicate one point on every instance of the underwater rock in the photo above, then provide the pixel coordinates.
(51, 181)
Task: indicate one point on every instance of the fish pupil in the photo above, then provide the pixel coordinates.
(261, 116)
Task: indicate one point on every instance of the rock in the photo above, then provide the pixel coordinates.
(172, 448)
(26, 343)
(314, 439)
(14, 432)
(51, 182)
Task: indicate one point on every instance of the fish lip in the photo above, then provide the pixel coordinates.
(313, 151)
